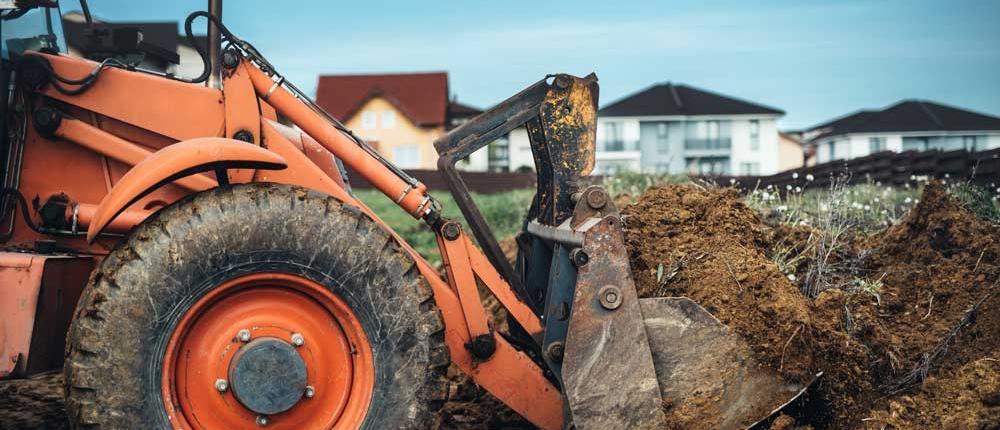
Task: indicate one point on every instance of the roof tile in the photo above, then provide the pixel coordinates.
(421, 97)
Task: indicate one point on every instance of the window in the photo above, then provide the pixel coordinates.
(708, 165)
(916, 143)
(754, 135)
(406, 156)
(832, 146)
(876, 144)
(662, 138)
(969, 142)
(750, 169)
(388, 119)
(368, 120)
(613, 141)
(707, 135)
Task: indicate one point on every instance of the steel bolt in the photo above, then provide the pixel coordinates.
(562, 82)
(297, 339)
(555, 351)
(610, 297)
(244, 136)
(310, 391)
(579, 257)
(451, 230)
(230, 59)
(221, 385)
(597, 199)
(243, 335)
(262, 420)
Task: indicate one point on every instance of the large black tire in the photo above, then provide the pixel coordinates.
(126, 315)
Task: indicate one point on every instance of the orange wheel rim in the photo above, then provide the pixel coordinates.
(336, 353)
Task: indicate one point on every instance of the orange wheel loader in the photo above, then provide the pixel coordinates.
(188, 250)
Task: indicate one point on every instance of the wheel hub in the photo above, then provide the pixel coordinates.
(268, 376)
(241, 355)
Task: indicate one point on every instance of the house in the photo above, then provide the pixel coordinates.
(401, 115)
(792, 152)
(677, 128)
(908, 125)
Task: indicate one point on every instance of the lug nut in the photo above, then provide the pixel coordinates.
(262, 420)
(221, 385)
(310, 391)
(297, 339)
(243, 335)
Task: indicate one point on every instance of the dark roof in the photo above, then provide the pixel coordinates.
(905, 116)
(421, 97)
(458, 110)
(679, 99)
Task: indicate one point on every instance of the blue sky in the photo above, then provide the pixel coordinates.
(815, 60)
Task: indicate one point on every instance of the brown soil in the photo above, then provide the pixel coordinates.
(33, 403)
(873, 349)
(707, 245)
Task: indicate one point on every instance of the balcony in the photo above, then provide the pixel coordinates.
(718, 144)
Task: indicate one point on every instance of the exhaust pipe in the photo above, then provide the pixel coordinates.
(214, 45)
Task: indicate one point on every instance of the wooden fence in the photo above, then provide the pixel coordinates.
(886, 168)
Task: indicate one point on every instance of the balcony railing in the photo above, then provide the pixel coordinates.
(618, 146)
(708, 144)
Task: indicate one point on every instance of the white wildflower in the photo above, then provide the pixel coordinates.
(788, 187)
(782, 208)
(798, 189)
(908, 200)
(868, 208)
(791, 277)
(810, 178)
(795, 175)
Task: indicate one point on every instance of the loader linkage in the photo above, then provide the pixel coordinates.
(617, 359)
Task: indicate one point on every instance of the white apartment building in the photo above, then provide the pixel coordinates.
(917, 125)
(676, 128)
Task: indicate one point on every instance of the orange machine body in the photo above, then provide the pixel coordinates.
(135, 142)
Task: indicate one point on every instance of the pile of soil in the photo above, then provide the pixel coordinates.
(886, 355)
(33, 403)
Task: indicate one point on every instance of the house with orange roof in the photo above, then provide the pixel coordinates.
(400, 114)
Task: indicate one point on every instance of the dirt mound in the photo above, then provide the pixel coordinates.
(939, 316)
(875, 343)
(707, 245)
(936, 264)
(967, 398)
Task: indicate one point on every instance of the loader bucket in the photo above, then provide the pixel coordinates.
(655, 363)
(706, 375)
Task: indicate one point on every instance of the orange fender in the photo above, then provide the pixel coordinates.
(177, 161)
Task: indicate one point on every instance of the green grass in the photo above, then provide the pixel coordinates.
(504, 212)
